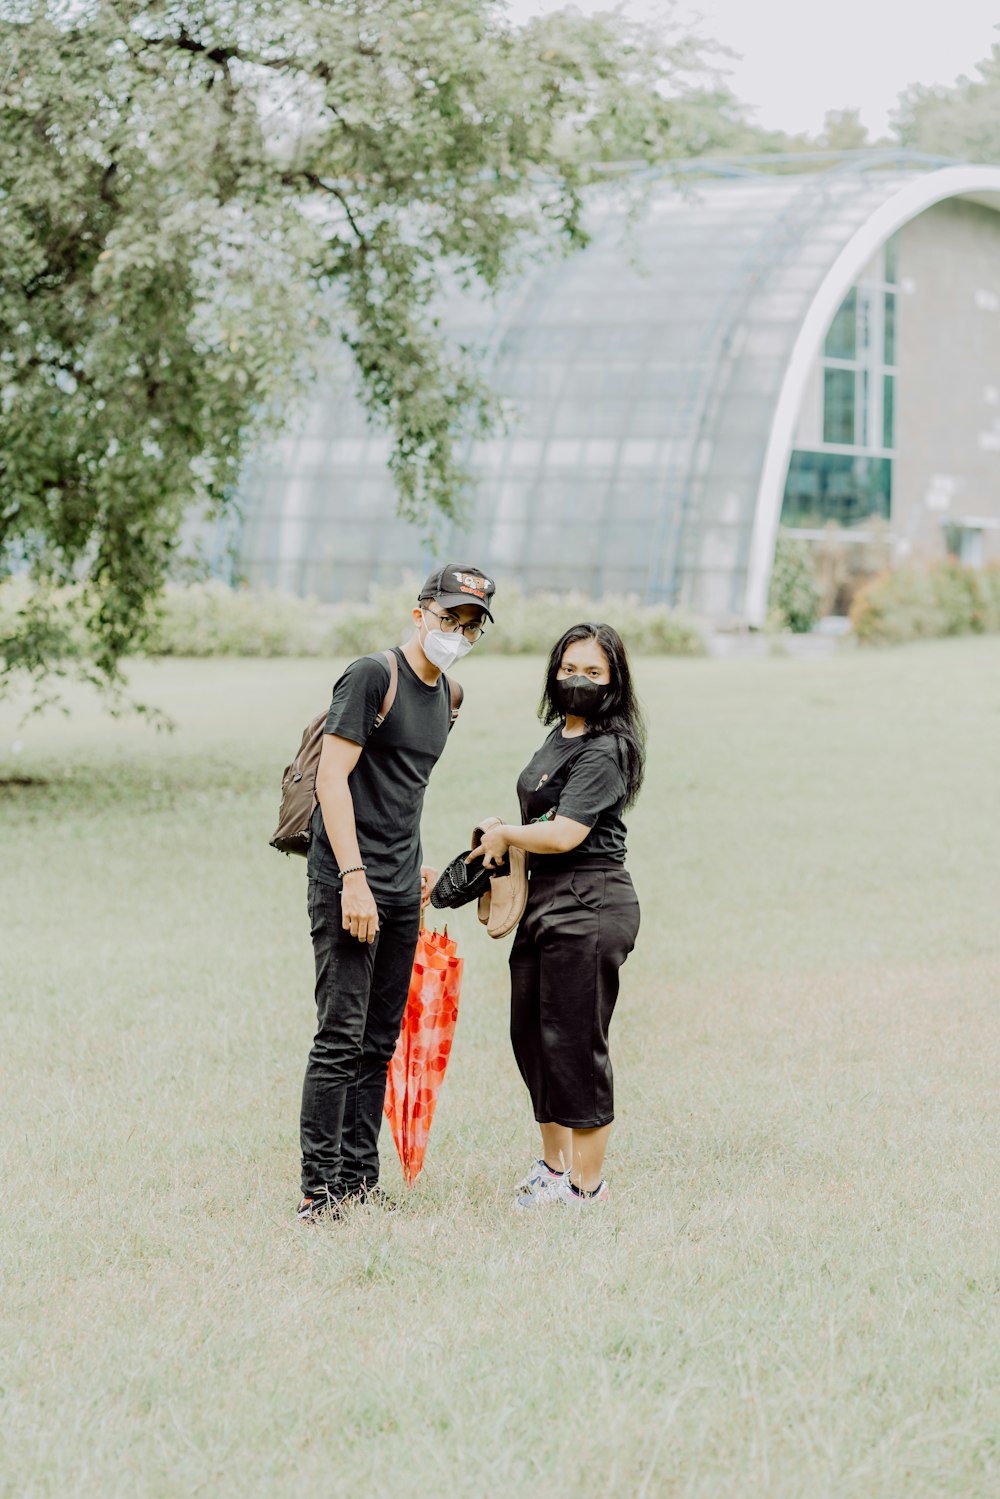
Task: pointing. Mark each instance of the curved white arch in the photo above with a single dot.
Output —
(981, 184)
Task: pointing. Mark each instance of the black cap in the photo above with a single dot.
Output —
(456, 583)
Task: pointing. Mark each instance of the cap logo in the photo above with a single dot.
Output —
(470, 583)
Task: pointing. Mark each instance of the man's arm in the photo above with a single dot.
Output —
(338, 758)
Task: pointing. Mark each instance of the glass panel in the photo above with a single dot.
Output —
(525, 452)
(345, 451)
(888, 411)
(862, 410)
(841, 341)
(572, 420)
(864, 319)
(838, 406)
(892, 260)
(824, 487)
(507, 542)
(311, 454)
(638, 452)
(890, 327)
(561, 454)
(601, 454)
(514, 496)
(636, 503)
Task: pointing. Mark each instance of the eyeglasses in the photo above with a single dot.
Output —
(450, 624)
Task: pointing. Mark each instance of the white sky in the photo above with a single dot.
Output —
(799, 58)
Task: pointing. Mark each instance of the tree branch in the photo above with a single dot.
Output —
(223, 56)
(316, 182)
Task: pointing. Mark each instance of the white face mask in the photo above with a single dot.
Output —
(443, 650)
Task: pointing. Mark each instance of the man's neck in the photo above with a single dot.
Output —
(425, 670)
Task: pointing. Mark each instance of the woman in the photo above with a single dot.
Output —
(582, 916)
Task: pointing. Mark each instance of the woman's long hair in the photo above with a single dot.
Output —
(620, 715)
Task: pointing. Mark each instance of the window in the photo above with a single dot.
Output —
(892, 260)
(866, 319)
(858, 361)
(890, 327)
(888, 411)
(838, 406)
(842, 339)
(840, 487)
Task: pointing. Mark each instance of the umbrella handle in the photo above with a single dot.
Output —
(423, 924)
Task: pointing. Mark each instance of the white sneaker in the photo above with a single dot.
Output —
(572, 1199)
(538, 1176)
(558, 1191)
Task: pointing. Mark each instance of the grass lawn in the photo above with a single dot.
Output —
(795, 1289)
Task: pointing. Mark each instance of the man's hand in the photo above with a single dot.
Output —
(358, 908)
(428, 879)
(493, 848)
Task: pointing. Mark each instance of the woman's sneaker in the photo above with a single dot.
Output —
(558, 1191)
(569, 1198)
(539, 1176)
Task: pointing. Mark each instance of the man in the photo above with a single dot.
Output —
(366, 883)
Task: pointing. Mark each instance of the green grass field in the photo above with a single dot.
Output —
(795, 1289)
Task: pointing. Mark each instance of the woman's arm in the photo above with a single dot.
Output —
(555, 837)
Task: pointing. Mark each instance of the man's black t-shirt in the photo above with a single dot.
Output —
(389, 780)
(579, 778)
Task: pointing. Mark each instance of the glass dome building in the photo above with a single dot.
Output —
(757, 348)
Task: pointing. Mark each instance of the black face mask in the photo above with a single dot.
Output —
(580, 696)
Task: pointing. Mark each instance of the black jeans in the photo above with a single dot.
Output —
(578, 928)
(361, 991)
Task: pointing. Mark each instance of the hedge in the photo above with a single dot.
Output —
(927, 603)
(212, 619)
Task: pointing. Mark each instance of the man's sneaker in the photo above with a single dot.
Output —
(538, 1176)
(371, 1197)
(558, 1192)
(323, 1205)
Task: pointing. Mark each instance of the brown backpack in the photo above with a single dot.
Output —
(298, 783)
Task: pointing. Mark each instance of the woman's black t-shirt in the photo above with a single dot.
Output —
(580, 778)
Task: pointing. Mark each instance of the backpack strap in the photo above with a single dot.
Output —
(457, 698)
(455, 688)
(390, 691)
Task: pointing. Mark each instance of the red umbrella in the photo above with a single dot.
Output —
(421, 1056)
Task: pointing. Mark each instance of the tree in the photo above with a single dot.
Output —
(794, 596)
(962, 121)
(714, 122)
(843, 130)
(195, 197)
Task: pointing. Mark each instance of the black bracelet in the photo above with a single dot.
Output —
(354, 869)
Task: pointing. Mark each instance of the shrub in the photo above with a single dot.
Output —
(39, 624)
(927, 603)
(989, 587)
(212, 619)
(795, 594)
(530, 624)
(959, 598)
(847, 559)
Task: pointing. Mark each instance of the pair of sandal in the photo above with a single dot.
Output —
(502, 891)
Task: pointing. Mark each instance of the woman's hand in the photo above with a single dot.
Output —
(493, 849)
(428, 879)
